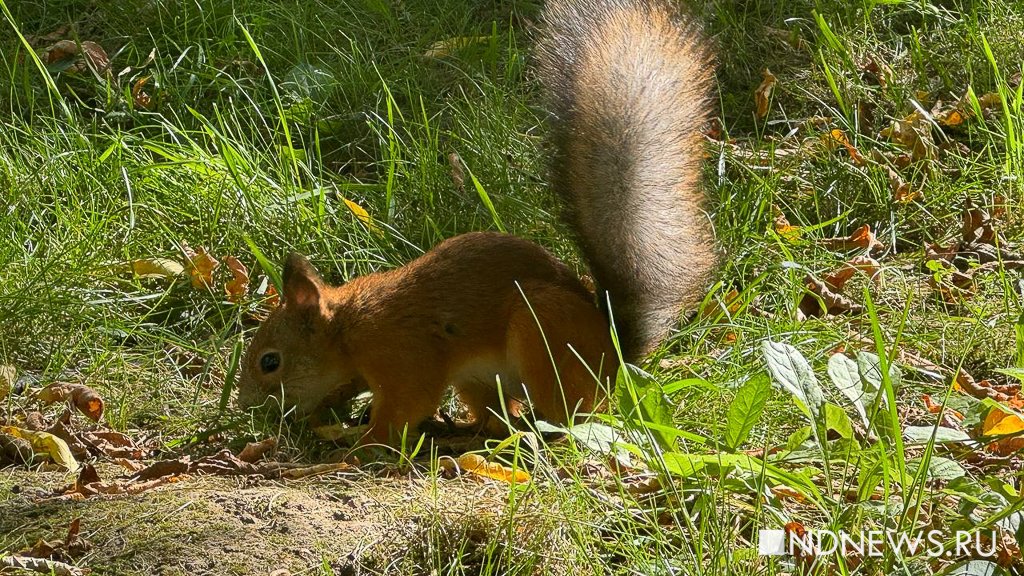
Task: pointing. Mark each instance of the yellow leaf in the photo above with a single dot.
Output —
(1000, 423)
(156, 268)
(476, 464)
(46, 443)
(362, 215)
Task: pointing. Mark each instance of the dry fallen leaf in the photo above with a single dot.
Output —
(140, 97)
(913, 132)
(45, 443)
(782, 226)
(838, 278)
(156, 268)
(934, 408)
(200, 266)
(238, 287)
(787, 493)
(8, 376)
(253, 451)
(862, 238)
(730, 303)
(978, 226)
(478, 465)
(763, 93)
(834, 303)
(837, 138)
(448, 46)
(80, 57)
(84, 398)
(458, 174)
(902, 192)
(1000, 423)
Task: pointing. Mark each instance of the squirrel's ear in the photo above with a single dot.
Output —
(302, 284)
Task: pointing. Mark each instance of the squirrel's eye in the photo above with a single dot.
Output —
(270, 362)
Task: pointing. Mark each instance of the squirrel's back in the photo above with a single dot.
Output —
(628, 85)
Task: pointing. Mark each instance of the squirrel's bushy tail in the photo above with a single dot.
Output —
(628, 84)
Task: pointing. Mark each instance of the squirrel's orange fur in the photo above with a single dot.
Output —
(627, 81)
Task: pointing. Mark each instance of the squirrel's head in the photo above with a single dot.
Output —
(296, 358)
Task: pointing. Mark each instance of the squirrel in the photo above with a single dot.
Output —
(628, 85)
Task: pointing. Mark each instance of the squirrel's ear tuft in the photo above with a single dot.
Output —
(302, 284)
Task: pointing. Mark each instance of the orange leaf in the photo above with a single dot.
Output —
(238, 286)
(861, 238)
(838, 138)
(139, 96)
(476, 464)
(763, 93)
(731, 301)
(200, 266)
(934, 408)
(837, 279)
(1000, 423)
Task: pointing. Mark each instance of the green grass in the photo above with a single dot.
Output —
(266, 116)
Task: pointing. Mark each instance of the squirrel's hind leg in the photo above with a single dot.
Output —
(560, 346)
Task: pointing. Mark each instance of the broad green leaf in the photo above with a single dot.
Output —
(939, 468)
(687, 383)
(798, 437)
(869, 367)
(845, 374)
(683, 465)
(923, 434)
(746, 410)
(791, 371)
(642, 402)
(837, 420)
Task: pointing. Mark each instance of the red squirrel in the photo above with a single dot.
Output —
(628, 86)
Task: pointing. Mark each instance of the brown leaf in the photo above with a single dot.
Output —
(763, 93)
(113, 444)
(14, 451)
(88, 55)
(238, 287)
(913, 132)
(837, 279)
(84, 398)
(254, 451)
(902, 192)
(978, 226)
(834, 303)
(782, 226)
(934, 408)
